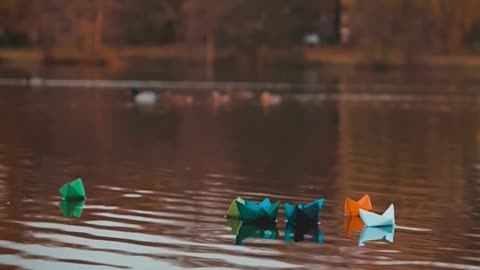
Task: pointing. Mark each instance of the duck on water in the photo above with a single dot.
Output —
(144, 97)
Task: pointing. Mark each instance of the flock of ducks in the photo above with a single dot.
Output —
(216, 98)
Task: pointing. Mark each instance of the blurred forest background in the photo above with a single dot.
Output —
(384, 32)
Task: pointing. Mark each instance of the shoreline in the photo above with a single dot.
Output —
(325, 56)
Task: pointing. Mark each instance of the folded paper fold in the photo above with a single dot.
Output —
(376, 233)
(352, 207)
(248, 211)
(304, 213)
(73, 190)
(374, 220)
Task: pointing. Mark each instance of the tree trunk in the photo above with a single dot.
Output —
(97, 40)
(210, 57)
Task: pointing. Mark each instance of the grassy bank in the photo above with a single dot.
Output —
(321, 55)
(350, 57)
(28, 55)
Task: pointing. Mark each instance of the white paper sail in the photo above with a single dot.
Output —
(374, 220)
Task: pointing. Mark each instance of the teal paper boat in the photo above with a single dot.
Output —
(297, 233)
(72, 209)
(73, 190)
(248, 231)
(374, 220)
(307, 213)
(376, 233)
(249, 212)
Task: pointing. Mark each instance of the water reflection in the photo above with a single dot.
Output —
(298, 232)
(3, 175)
(190, 161)
(244, 231)
(248, 231)
(370, 234)
(352, 225)
(72, 209)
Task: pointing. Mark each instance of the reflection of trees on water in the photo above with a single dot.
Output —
(285, 144)
(4, 192)
(418, 156)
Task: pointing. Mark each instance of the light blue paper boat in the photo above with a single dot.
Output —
(309, 212)
(373, 220)
(376, 233)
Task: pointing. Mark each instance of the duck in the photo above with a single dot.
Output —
(176, 100)
(144, 97)
(219, 98)
(243, 95)
(35, 81)
(267, 99)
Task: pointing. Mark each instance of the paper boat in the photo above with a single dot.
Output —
(373, 220)
(304, 214)
(232, 211)
(352, 207)
(249, 212)
(234, 224)
(72, 208)
(73, 190)
(376, 233)
(248, 231)
(297, 234)
(353, 224)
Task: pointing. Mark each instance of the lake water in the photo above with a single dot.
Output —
(159, 180)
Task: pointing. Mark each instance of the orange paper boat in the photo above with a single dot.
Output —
(352, 207)
(352, 225)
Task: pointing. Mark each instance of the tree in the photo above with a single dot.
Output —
(407, 28)
(15, 23)
(143, 22)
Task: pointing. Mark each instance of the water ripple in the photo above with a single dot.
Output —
(159, 184)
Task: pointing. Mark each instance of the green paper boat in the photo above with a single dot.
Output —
(248, 212)
(234, 224)
(232, 211)
(73, 190)
(72, 209)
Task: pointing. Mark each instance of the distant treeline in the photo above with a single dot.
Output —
(380, 28)
(147, 22)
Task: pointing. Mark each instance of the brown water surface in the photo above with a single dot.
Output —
(159, 180)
